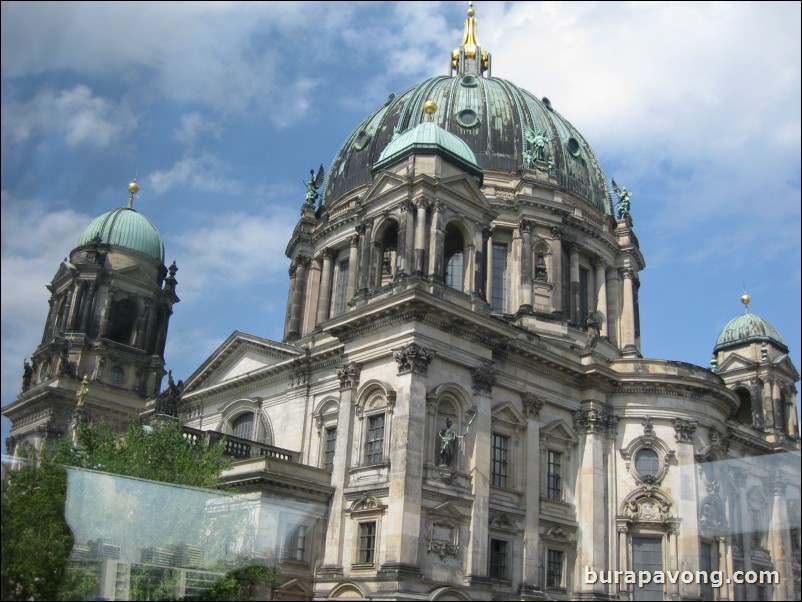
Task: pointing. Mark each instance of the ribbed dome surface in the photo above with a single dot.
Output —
(493, 117)
(126, 228)
(748, 328)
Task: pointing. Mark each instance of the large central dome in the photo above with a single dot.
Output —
(508, 129)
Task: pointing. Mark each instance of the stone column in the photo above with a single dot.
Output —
(73, 309)
(421, 204)
(779, 540)
(403, 526)
(623, 560)
(105, 313)
(596, 424)
(601, 295)
(779, 407)
(484, 379)
(324, 298)
(142, 325)
(525, 227)
(50, 324)
(628, 313)
(301, 264)
(557, 274)
(401, 266)
(767, 402)
(531, 579)
(613, 305)
(348, 373)
(437, 243)
(363, 269)
(687, 498)
(573, 288)
(480, 279)
(86, 307)
(353, 268)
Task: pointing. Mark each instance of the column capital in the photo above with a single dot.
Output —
(483, 378)
(525, 226)
(413, 358)
(348, 373)
(596, 421)
(532, 405)
(329, 253)
(684, 430)
(421, 202)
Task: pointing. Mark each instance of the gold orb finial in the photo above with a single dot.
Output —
(471, 12)
(133, 188)
(429, 107)
(745, 299)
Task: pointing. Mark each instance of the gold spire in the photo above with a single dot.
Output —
(470, 45)
(745, 299)
(83, 390)
(430, 107)
(133, 188)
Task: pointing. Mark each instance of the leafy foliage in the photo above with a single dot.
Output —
(252, 582)
(36, 540)
(160, 454)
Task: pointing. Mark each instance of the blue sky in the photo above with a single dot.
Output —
(221, 109)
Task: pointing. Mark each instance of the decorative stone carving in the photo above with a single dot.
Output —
(365, 503)
(648, 504)
(525, 226)
(712, 515)
(442, 537)
(298, 377)
(348, 373)
(648, 427)
(483, 378)
(421, 203)
(684, 430)
(541, 273)
(777, 483)
(532, 405)
(557, 233)
(596, 422)
(413, 358)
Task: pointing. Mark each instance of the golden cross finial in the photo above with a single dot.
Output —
(83, 390)
(133, 188)
(471, 47)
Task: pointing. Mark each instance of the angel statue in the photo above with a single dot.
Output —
(623, 200)
(315, 181)
(449, 440)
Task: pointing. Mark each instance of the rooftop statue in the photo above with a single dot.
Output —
(623, 203)
(315, 182)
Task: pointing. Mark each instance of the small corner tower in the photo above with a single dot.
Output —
(110, 307)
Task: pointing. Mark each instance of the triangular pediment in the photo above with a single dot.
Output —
(736, 362)
(785, 364)
(446, 510)
(506, 412)
(65, 271)
(240, 354)
(383, 183)
(559, 430)
(297, 587)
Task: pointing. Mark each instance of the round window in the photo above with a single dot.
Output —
(362, 140)
(647, 464)
(468, 118)
(116, 375)
(573, 146)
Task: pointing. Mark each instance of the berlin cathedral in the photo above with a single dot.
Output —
(459, 403)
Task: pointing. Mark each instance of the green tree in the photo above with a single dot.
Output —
(36, 540)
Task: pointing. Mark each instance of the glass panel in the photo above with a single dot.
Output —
(498, 559)
(367, 542)
(374, 444)
(647, 464)
(454, 271)
(647, 555)
(554, 569)
(554, 485)
(499, 460)
(328, 450)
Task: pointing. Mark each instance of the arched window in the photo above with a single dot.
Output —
(388, 251)
(453, 248)
(744, 414)
(242, 426)
(123, 317)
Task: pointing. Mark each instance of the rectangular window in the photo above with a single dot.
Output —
(374, 443)
(340, 288)
(647, 555)
(554, 485)
(295, 546)
(367, 543)
(329, 443)
(498, 290)
(498, 468)
(554, 568)
(498, 559)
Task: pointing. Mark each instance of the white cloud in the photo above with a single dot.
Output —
(31, 239)
(82, 118)
(195, 125)
(204, 172)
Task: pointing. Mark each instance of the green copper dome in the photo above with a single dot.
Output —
(428, 138)
(126, 228)
(506, 128)
(748, 328)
